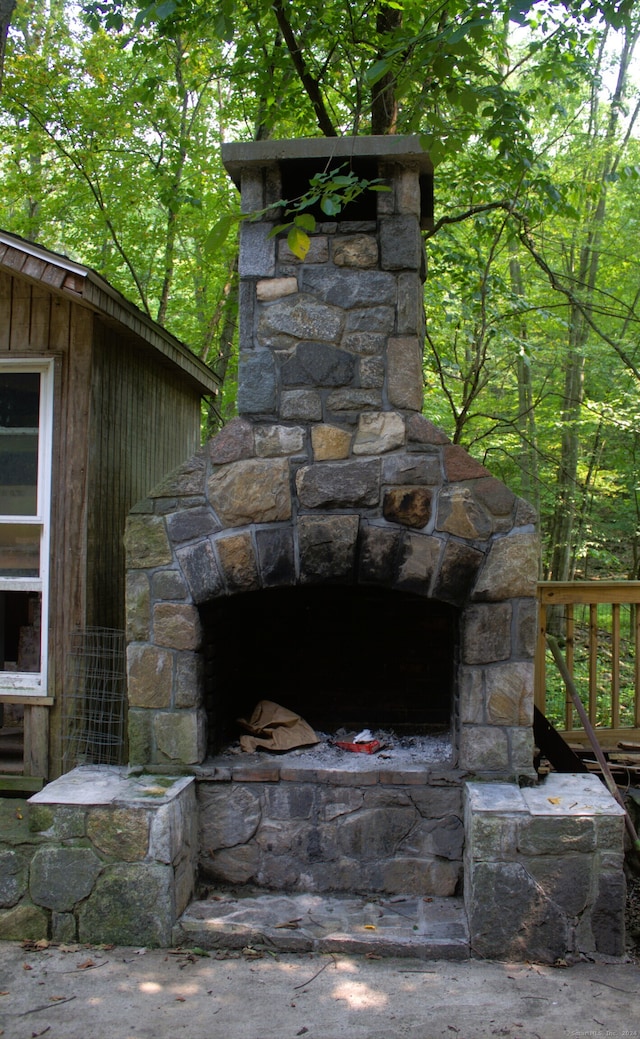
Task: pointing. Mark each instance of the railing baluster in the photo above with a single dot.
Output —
(637, 668)
(593, 663)
(568, 706)
(615, 665)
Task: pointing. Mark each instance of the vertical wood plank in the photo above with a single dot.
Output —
(20, 316)
(36, 742)
(5, 311)
(40, 318)
(540, 665)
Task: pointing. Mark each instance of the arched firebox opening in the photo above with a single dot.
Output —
(341, 656)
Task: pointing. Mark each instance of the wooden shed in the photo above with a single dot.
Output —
(97, 404)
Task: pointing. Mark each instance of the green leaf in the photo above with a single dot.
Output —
(305, 221)
(299, 242)
(220, 232)
(330, 205)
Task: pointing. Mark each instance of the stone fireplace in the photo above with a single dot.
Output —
(332, 551)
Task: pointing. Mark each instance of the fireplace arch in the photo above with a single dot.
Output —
(194, 553)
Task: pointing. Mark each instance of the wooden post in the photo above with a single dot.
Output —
(36, 742)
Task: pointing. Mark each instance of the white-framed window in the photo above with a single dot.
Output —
(26, 422)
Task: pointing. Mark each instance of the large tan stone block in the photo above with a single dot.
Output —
(150, 676)
(511, 569)
(176, 625)
(251, 491)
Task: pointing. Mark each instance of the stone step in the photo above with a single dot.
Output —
(425, 928)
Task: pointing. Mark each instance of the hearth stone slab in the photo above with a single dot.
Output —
(426, 928)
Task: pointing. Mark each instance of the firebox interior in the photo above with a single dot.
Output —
(340, 656)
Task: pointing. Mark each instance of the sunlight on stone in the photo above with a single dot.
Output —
(360, 996)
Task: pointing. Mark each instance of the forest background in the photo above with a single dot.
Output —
(111, 119)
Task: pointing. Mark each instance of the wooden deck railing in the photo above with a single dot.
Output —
(597, 624)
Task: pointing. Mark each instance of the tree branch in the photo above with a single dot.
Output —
(310, 84)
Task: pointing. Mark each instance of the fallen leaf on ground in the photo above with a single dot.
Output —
(85, 964)
(27, 966)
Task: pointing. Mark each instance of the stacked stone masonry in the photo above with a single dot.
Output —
(544, 873)
(99, 856)
(284, 827)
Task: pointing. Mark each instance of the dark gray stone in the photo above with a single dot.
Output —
(257, 250)
(372, 372)
(132, 904)
(228, 816)
(168, 585)
(318, 364)
(458, 572)
(353, 288)
(191, 523)
(486, 635)
(200, 568)
(366, 344)
(342, 483)
(13, 878)
(257, 383)
(378, 555)
(246, 313)
(607, 919)
(62, 877)
(410, 304)
(299, 317)
(375, 833)
(400, 243)
(276, 560)
(411, 469)
(372, 319)
(510, 917)
(525, 628)
(327, 548)
(289, 801)
(189, 678)
(565, 879)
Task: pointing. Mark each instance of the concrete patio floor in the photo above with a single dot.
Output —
(71, 992)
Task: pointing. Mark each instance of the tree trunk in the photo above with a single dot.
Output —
(6, 10)
(384, 107)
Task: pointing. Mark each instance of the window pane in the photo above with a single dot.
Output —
(20, 630)
(19, 420)
(19, 550)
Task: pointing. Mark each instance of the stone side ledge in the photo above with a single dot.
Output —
(103, 856)
(543, 874)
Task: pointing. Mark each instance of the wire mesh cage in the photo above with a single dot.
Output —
(94, 714)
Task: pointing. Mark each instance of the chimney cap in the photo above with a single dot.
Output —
(403, 149)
